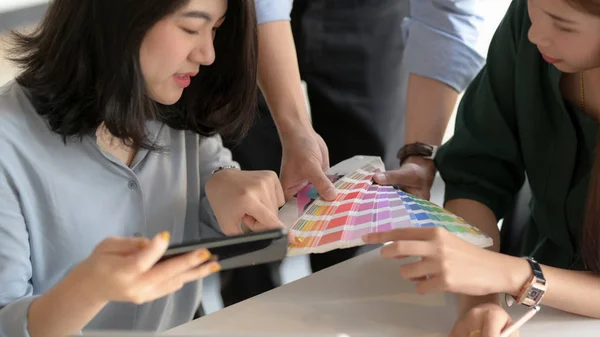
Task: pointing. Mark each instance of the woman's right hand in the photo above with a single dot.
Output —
(126, 269)
(484, 320)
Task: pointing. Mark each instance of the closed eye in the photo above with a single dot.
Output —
(564, 29)
(191, 32)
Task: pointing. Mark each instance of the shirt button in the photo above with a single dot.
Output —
(132, 184)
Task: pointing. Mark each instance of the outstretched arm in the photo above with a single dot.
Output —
(305, 155)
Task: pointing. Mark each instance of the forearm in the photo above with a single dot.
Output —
(64, 310)
(572, 291)
(279, 76)
(483, 218)
(441, 58)
(576, 292)
(478, 215)
(429, 106)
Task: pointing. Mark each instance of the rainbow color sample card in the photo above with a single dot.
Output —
(363, 207)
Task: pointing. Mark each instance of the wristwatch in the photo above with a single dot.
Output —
(426, 151)
(226, 167)
(533, 290)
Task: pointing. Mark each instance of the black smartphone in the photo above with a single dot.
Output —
(240, 250)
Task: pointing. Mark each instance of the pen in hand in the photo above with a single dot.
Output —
(510, 329)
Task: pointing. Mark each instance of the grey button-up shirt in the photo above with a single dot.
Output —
(58, 201)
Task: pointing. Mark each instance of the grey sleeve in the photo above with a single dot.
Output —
(442, 38)
(212, 155)
(15, 266)
(13, 318)
(273, 10)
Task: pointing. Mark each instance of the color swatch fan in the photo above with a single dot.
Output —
(363, 207)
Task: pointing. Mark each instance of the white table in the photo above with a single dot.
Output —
(364, 296)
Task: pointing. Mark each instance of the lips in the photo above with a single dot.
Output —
(549, 59)
(184, 80)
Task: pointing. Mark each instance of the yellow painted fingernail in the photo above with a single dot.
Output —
(215, 267)
(204, 255)
(298, 239)
(166, 236)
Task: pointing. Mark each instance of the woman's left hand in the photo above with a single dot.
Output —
(484, 320)
(448, 263)
(245, 200)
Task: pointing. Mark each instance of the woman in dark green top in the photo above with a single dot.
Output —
(531, 111)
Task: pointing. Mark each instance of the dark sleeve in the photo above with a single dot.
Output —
(483, 160)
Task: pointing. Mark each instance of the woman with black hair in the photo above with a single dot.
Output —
(532, 112)
(109, 136)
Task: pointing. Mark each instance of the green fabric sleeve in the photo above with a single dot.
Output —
(483, 160)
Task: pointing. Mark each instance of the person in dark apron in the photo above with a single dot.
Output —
(359, 59)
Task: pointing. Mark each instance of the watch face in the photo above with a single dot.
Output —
(534, 294)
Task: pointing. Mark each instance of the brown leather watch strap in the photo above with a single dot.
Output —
(416, 149)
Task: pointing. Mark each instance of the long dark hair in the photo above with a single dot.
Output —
(590, 247)
(81, 67)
